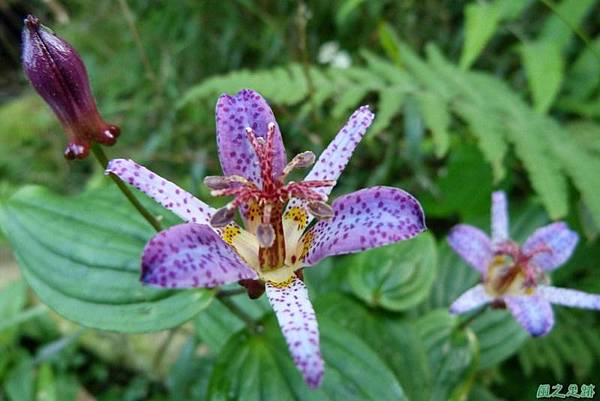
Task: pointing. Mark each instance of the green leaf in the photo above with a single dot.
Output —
(395, 277)
(12, 301)
(565, 20)
(465, 169)
(394, 339)
(544, 67)
(437, 119)
(259, 367)
(453, 354)
(500, 336)
(19, 383)
(81, 256)
(216, 324)
(46, 385)
(481, 21)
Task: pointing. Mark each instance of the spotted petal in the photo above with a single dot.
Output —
(558, 241)
(364, 219)
(473, 245)
(533, 312)
(234, 114)
(335, 157)
(172, 197)
(190, 256)
(298, 323)
(569, 297)
(499, 217)
(471, 299)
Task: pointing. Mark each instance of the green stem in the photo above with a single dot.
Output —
(233, 308)
(103, 160)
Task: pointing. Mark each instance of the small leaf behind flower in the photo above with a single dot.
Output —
(395, 277)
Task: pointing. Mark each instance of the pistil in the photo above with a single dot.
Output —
(270, 197)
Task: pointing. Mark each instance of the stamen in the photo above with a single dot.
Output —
(223, 216)
(265, 235)
(301, 160)
(320, 210)
(218, 182)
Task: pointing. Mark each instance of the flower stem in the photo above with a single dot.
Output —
(103, 160)
(233, 308)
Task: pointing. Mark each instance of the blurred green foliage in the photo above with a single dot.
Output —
(470, 96)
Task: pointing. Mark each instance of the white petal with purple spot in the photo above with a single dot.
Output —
(365, 219)
(473, 245)
(191, 256)
(552, 245)
(335, 157)
(234, 114)
(533, 312)
(298, 323)
(169, 195)
(499, 217)
(470, 299)
(569, 297)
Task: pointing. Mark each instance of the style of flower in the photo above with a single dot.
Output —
(514, 276)
(58, 74)
(277, 240)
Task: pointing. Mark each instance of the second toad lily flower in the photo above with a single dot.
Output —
(516, 276)
(277, 240)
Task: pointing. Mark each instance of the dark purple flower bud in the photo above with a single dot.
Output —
(59, 76)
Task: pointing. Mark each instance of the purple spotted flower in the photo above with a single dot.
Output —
(278, 239)
(516, 276)
(58, 74)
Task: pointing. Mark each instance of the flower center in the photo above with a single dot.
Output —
(511, 271)
(262, 205)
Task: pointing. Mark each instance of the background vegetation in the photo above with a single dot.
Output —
(470, 96)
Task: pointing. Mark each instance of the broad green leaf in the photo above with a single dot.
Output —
(453, 353)
(544, 67)
(395, 277)
(81, 256)
(259, 367)
(481, 21)
(12, 301)
(437, 119)
(453, 278)
(216, 324)
(394, 339)
(500, 336)
(19, 384)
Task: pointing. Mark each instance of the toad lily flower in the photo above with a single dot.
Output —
(277, 240)
(514, 276)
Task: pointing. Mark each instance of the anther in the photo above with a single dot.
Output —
(217, 182)
(223, 216)
(320, 210)
(265, 235)
(302, 160)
